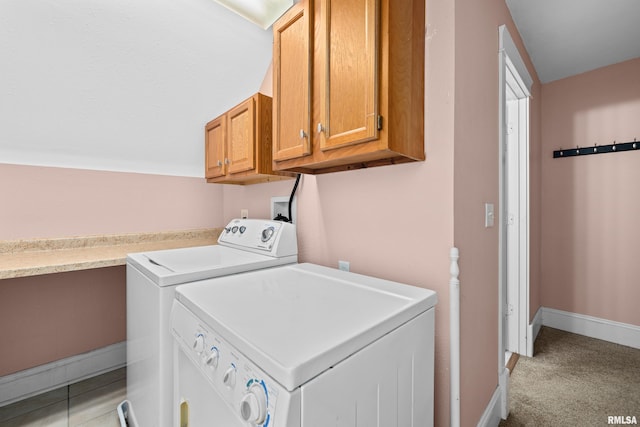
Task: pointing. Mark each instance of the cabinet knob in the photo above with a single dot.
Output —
(219, 163)
(320, 128)
(303, 134)
(226, 161)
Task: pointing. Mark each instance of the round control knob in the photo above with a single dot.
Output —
(227, 229)
(253, 406)
(234, 228)
(229, 378)
(267, 233)
(242, 229)
(213, 358)
(198, 343)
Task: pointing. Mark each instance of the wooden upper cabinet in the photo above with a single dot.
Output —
(241, 137)
(238, 148)
(292, 83)
(366, 93)
(349, 37)
(215, 147)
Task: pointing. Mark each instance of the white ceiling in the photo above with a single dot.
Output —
(568, 37)
(121, 85)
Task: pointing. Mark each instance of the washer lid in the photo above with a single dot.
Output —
(173, 266)
(294, 322)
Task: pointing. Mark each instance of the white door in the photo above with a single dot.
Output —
(513, 118)
(516, 207)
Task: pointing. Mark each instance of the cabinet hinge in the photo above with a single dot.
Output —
(379, 122)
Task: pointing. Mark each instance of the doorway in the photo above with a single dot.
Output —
(513, 283)
(516, 213)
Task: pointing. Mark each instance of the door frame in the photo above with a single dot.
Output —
(520, 226)
(512, 71)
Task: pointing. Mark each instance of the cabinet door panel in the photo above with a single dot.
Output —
(292, 83)
(349, 108)
(241, 134)
(215, 143)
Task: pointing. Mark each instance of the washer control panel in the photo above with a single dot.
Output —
(250, 393)
(260, 235)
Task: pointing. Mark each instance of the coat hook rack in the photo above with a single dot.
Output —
(597, 149)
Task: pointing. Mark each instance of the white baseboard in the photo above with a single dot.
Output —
(534, 329)
(27, 383)
(594, 327)
(491, 415)
(503, 384)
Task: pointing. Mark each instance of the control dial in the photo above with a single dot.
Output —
(253, 406)
(198, 343)
(213, 358)
(229, 378)
(267, 233)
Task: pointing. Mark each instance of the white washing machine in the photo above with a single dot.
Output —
(244, 245)
(303, 346)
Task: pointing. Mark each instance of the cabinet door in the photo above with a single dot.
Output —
(215, 148)
(292, 83)
(349, 37)
(241, 137)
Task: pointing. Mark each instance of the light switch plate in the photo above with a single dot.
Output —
(488, 215)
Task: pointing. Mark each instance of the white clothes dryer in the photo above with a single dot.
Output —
(244, 245)
(303, 346)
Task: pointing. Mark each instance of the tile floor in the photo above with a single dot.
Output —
(88, 403)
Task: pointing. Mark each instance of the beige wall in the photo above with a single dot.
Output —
(476, 183)
(40, 202)
(535, 200)
(60, 315)
(83, 310)
(396, 222)
(590, 203)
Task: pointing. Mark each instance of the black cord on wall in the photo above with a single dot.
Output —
(293, 192)
(283, 218)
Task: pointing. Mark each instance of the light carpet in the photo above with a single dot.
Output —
(574, 380)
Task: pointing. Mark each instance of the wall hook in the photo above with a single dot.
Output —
(598, 149)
